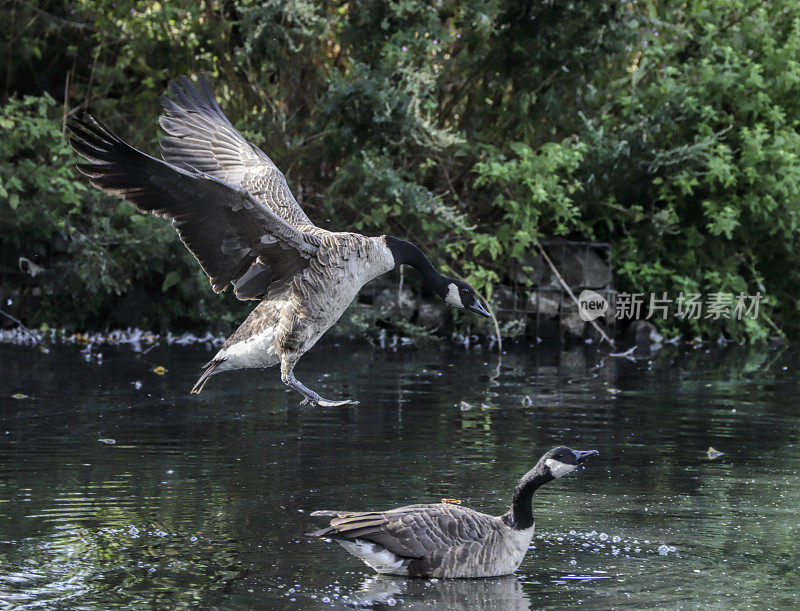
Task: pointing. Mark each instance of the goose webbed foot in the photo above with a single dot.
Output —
(323, 402)
(310, 396)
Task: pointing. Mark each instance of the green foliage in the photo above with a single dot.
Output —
(378, 194)
(535, 191)
(474, 128)
(699, 140)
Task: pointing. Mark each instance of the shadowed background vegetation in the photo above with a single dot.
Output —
(474, 128)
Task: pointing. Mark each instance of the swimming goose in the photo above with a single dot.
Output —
(234, 211)
(446, 540)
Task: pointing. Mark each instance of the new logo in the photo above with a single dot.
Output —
(591, 305)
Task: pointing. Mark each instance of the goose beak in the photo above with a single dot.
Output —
(582, 455)
(478, 309)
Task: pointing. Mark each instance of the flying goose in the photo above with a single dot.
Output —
(446, 540)
(234, 211)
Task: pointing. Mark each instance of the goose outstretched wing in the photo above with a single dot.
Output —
(414, 531)
(235, 237)
(201, 137)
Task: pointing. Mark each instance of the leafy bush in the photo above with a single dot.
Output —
(694, 159)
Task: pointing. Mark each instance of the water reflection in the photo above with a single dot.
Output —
(202, 501)
(501, 594)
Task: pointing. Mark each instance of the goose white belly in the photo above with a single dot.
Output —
(376, 556)
(257, 351)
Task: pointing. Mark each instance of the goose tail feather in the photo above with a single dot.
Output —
(209, 371)
(328, 531)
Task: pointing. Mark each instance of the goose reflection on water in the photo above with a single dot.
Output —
(496, 593)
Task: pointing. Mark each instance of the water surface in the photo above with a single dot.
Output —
(119, 488)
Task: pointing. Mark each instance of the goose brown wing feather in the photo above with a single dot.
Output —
(202, 137)
(225, 228)
(414, 531)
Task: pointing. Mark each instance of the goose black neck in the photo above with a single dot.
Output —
(521, 514)
(406, 253)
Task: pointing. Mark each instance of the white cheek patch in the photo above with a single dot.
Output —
(453, 297)
(558, 468)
